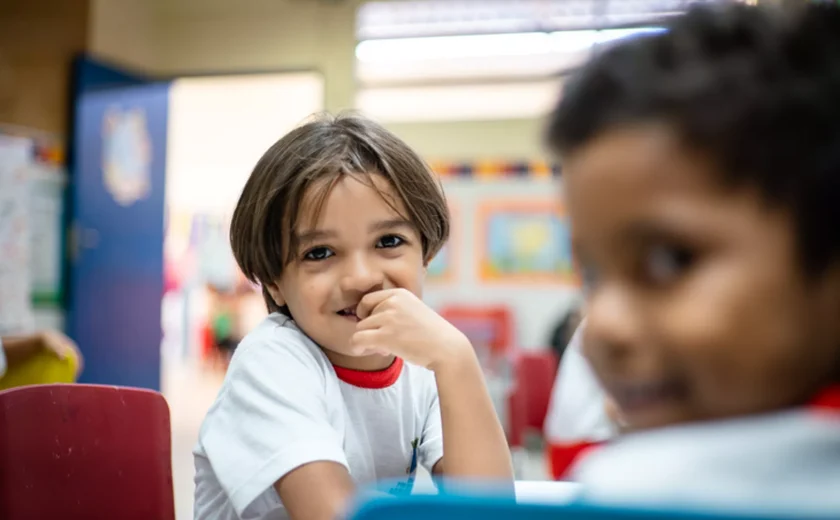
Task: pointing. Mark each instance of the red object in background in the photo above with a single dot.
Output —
(490, 326)
(85, 451)
(207, 341)
(534, 374)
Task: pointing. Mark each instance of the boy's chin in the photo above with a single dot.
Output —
(368, 362)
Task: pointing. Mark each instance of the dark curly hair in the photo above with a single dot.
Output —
(756, 89)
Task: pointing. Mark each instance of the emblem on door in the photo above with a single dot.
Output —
(126, 155)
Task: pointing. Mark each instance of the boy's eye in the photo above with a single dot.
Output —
(664, 264)
(389, 241)
(318, 253)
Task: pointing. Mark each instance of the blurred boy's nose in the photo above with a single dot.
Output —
(612, 325)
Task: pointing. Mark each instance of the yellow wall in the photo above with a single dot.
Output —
(176, 37)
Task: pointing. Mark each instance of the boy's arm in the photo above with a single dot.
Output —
(474, 442)
(395, 321)
(316, 491)
(18, 349)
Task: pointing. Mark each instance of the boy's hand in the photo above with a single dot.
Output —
(395, 321)
(20, 348)
(62, 346)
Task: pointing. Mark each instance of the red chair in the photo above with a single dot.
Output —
(85, 451)
(534, 374)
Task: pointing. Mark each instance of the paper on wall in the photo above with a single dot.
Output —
(15, 300)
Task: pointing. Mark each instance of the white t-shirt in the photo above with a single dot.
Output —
(784, 463)
(283, 405)
(576, 411)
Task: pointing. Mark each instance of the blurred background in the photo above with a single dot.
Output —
(128, 128)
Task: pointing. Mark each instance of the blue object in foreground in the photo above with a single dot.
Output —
(449, 507)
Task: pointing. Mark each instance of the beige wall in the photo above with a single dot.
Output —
(38, 39)
(124, 32)
(176, 37)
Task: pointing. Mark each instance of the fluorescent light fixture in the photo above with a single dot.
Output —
(459, 102)
(488, 45)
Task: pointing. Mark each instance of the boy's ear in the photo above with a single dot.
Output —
(276, 294)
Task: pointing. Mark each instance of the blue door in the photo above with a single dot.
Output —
(115, 279)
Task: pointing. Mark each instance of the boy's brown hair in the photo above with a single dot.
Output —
(321, 152)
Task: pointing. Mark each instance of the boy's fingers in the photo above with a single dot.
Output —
(371, 300)
(372, 322)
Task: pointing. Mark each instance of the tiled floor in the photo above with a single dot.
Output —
(191, 391)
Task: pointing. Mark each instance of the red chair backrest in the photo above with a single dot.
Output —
(534, 374)
(85, 451)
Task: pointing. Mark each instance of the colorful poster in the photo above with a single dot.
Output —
(523, 242)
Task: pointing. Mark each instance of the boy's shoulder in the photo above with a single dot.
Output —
(278, 340)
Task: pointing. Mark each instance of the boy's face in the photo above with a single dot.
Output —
(696, 305)
(357, 244)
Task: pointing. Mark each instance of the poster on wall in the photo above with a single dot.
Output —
(443, 266)
(15, 275)
(46, 190)
(524, 242)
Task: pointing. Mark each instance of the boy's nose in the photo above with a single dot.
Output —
(362, 276)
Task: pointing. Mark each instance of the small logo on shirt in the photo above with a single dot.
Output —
(404, 488)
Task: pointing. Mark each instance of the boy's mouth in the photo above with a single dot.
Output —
(349, 313)
(638, 397)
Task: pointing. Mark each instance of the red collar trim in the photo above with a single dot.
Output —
(828, 400)
(375, 380)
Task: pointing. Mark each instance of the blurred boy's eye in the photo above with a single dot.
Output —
(318, 253)
(389, 241)
(663, 264)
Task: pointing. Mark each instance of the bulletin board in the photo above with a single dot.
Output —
(524, 241)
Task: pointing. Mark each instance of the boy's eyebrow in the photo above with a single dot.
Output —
(651, 231)
(385, 225)
(315, 235)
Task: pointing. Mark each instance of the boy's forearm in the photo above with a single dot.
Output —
(19, 348)
(474, 442)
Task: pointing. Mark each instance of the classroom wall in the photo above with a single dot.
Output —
(38, 39)
(195, 37)
(177, 37)
(124, 32)
(536, 305)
